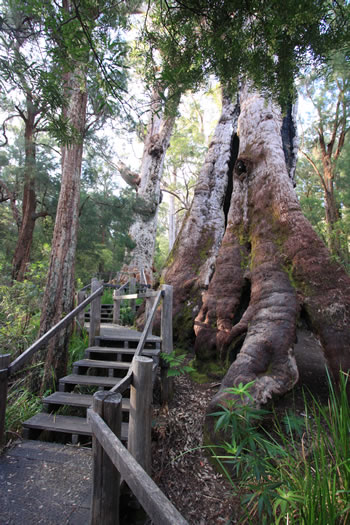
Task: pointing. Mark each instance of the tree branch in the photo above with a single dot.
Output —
(11, 196)
(184, 204)
(4, 129)
(317, 171)
(39, 214)
(330, 144)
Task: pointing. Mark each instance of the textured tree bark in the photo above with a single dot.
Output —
(59, 292)
(172, 216)
(271, 267)
(25, 236)
(191, 263)
(332, 211)
(262, 269)
(143, 230)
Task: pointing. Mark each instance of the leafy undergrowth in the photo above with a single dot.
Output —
(21, 403)
(298, 472)
(291, 469)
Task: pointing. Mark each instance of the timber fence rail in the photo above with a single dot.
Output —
(112, 461)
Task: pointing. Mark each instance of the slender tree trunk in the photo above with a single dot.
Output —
(144, 229)
(191, 263)
(172, 216)
(332, 213)
(25, 236)
(59, 293)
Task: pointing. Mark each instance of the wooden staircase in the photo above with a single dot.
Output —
(106, 314)
(104, 365)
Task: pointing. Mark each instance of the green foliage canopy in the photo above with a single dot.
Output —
(268, 41)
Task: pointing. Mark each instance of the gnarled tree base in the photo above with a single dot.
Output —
(271, 267)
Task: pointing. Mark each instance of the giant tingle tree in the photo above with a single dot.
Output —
(269, 267)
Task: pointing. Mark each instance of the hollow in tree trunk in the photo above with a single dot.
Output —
(191, 262)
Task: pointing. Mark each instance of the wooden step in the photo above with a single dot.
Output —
(103, 307)
(76, 379)
(122, 341)
(128, 337)
(77, 400)
(94, 363)
(148, 352)
(65, 424)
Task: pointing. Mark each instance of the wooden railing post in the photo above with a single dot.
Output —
(149, 305)
(80, 320)
(4, 363)
(132, 289)
(116, 306)
(106, 478)
(139, 437)
(166, 333)
(143, 279)
(95, 313)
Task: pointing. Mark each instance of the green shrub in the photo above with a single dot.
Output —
(176, 364)
(20, 308)
(107, 296)
(21, 405)
(76, 348)
(299, 473)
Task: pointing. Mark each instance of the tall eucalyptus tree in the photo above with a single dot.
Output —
(81, 43)
(30, 80)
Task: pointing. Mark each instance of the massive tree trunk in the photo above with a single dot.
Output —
(191, 263)
(59, 292)
(25, 236)
(271, 268)
(144, 229)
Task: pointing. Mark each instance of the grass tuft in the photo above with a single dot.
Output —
(298, 472)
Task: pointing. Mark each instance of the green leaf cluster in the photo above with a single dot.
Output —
(267, 42)
(298, 473)
(176, 364)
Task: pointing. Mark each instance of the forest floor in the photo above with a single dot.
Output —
(183, 469)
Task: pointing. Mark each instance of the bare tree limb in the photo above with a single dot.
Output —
(4, 129)
(11, 196)
(184, 203)
(317, 171)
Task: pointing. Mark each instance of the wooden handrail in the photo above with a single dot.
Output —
(126, 381)
(156, 504)
(141, 295)
(23, 358)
